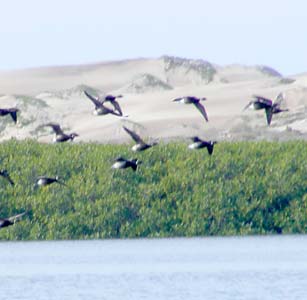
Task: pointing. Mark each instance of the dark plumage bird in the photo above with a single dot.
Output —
(196, 102)
(268, 105)
(140, 144)
(10, 111)
(44, 180)
(122, 163)
(112, 100)
(60, 136)
(6, 175)
(11, 220)
(199, 144)
(101, 109)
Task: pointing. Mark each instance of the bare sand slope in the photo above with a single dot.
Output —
(149, 85)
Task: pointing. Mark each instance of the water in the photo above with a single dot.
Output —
(197, 268)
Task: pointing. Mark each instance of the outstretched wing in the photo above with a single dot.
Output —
(248, 105)
(117, 107)
(263, 100)
(14, 115)
(202, 110)
(55, 127)
(16, 217)
(269, 114)
(210, 149)
(134, 136)
(95, 100)
(279, 99)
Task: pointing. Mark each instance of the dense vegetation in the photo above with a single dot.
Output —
(243, 188)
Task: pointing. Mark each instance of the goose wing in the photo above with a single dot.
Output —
(117, 107)
(279, 99)
(111, 111)
(134, 136)
(95, 100)
(13, 113)
(263, 100)
(269, 114)
(248, 105)
(16, 217)
(55, 127)
(202, 110)
(210, 148)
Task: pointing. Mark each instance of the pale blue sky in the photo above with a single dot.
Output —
(57, 32)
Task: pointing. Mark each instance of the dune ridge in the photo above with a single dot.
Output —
(55, 94)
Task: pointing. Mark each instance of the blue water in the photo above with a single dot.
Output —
(196, 268)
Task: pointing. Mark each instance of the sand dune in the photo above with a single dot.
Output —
(149, 85)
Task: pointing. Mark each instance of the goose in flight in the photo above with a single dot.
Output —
(140, 144)
(196, 102)
(60, 136)
(122, 163)
(101, 109)
(199, 144)
(271, 107)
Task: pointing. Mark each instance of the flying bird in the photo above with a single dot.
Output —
(44, 181)
(268, 105)
(199, 144)
(101, 109)
(5, 222)
(6, 175)
(122, 163)
(140, 144)
(196, 102)
(10, 111)
(60, 136)
(112, 100)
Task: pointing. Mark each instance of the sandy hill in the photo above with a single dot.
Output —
(149, 85)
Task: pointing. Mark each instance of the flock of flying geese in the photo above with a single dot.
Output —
(258, 103)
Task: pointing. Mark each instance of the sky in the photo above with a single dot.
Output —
(36, 33)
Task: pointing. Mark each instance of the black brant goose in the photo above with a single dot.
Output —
(44, 180)
(198, 144)
(122, 163)
(268, 105)
(196, 102)
(140, 144)
(100, 109)
(60, 136)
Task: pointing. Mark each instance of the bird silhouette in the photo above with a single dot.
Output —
(271, 107)
(122, 163)
(199, 144)
(60, 136)
(101, 109)
(196, 102)
(140, 144)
